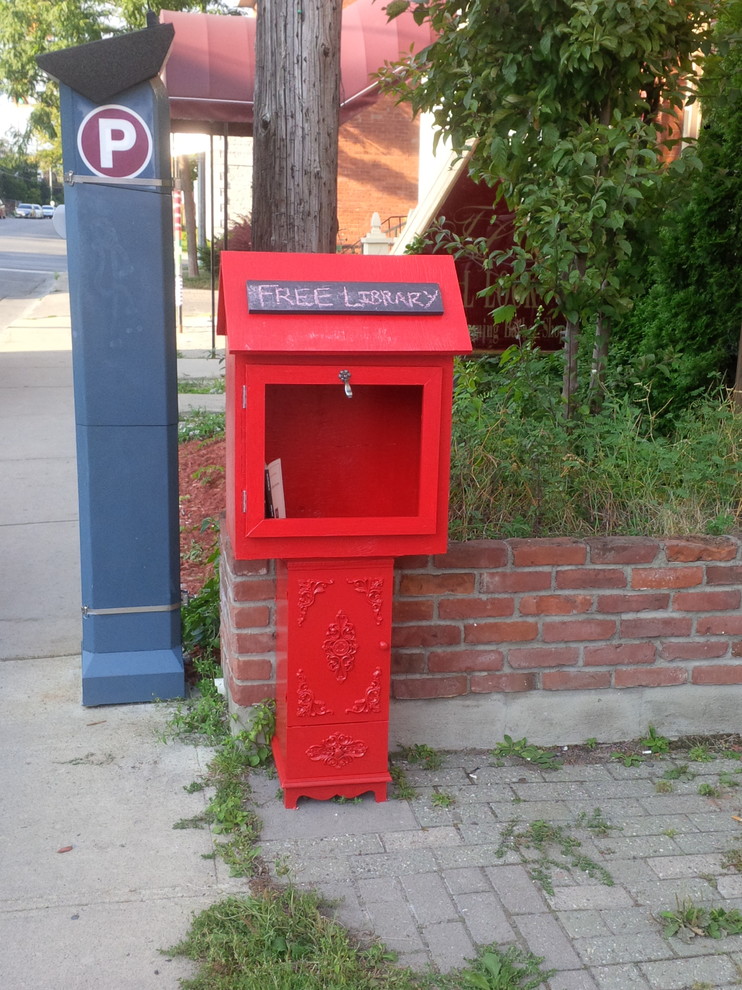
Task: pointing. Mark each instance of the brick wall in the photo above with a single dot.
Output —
(378, 153)
(528, 616)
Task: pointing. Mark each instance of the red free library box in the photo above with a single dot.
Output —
(339, 380)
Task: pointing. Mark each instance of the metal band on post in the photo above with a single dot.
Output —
(72, 179)
(86, 610)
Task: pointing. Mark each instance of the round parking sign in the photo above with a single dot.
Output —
(114, 141)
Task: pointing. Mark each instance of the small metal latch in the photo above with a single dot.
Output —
(344, 377)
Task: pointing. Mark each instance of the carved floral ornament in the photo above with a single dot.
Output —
(338, 750)
(370, 703)
(372, 588)
(306, 704)
(340, 646)
(308, 591)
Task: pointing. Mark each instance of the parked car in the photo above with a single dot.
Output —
(47, 211)
(29, 211)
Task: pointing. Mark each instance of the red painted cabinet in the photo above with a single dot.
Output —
(339, 381)
(333, 657)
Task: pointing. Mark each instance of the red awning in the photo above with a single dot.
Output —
(210, 74)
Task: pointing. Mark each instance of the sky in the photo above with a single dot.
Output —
(11, 116)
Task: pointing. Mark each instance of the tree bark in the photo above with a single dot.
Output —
(185, 166)
(599, 361)
(570, 379)
(295, 134)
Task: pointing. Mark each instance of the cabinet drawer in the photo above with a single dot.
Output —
(336, 751)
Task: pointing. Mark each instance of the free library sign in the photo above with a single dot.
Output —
(394, 298)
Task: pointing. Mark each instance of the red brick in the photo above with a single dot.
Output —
(254, 642)
(426, 635)
(666, 577)
(408, 663)
(666, 625)
(724, 575)
(254, 590)
(242, 568)
(500, 632)
(706, 601)
(458, 583)
(628, 677)
(633, 603)
(554, 604)
(548, 553)
(719, 625)
(416, 563)
(249, 616)
(475, 608)
(737, 648)
(591, 577)
(615, 654)
(243, 669)
(543, 656)
(513, 582)
(571, 630)
(575, 680)
(717, 674)
(502, 683)
(696, 649)
(444, 661)
(481, 554)
(429, 687)
(245, 695)
(412, 610)
(623, 550)
(702, 548)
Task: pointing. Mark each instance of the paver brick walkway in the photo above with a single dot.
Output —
(434, 883)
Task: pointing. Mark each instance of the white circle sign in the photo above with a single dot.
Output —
(114, 141)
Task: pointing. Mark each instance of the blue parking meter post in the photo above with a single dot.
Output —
(116, 148)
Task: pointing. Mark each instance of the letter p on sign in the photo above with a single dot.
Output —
(114, 141)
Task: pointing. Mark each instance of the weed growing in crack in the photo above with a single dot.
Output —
(554, 848)
(521, 748)
(690, 920)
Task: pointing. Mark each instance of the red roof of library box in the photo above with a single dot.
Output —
(274, 303)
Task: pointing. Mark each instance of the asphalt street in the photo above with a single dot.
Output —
(32, 257)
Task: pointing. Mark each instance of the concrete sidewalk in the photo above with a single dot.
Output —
(98, 783)
(96, 881)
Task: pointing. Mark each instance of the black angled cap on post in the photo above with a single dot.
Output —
(101, 69)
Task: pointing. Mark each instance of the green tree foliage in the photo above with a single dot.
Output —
(560, 101)
(30, 27)
(18, 176)
(683, 333)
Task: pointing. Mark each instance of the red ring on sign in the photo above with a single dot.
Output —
(114, 141)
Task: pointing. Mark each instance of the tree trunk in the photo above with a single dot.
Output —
(600, 358)
(570, 379)
(295, 134)
(185, 168)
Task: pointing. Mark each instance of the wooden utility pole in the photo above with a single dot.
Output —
(296, 120)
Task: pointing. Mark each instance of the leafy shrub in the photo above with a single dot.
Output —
(519, 468)
(200, 424)
(239, 239)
